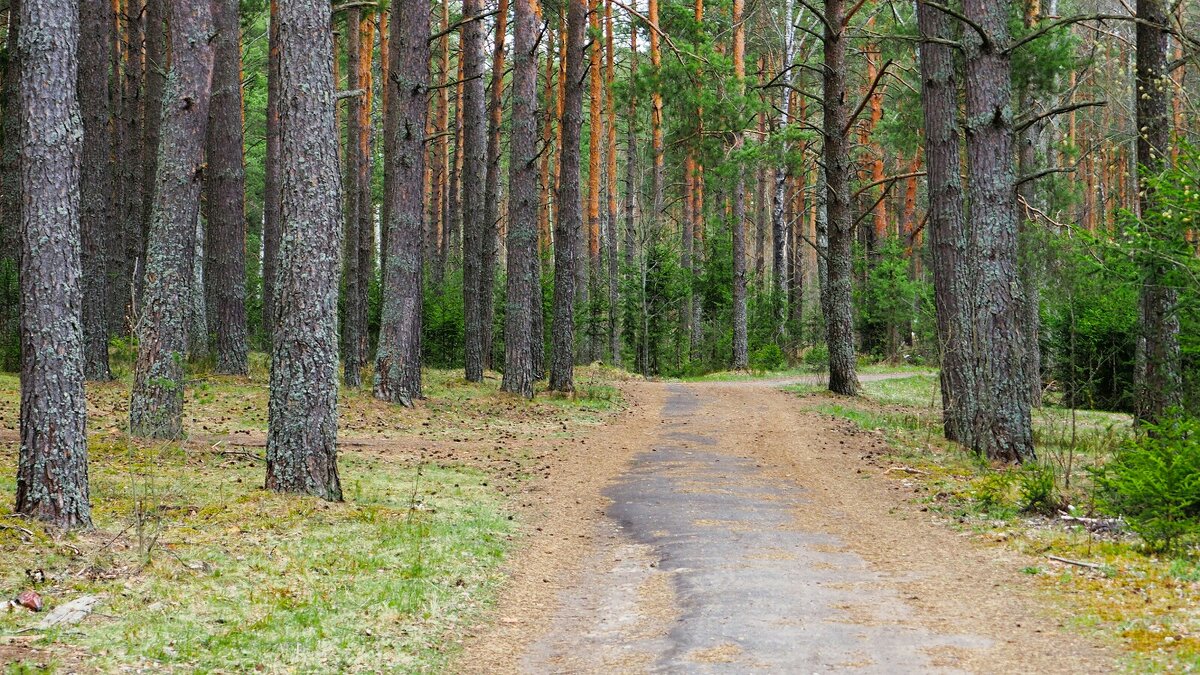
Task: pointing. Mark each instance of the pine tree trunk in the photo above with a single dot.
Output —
(610, 231)
(398, 361)
(52, 470)
(156, 86)
(491, 196)
(271, 206)
(474, 160)
(778, 199)
(302, 433)
(353, 171)
(741, 356)
(656, 123)
(127, 243)
(568, 227)
(156, 404)
(225, 194)
(631, 153)
(947, 224)
(1159, 373)
(96, 41)
(366, 202)
(523, 206)
(839, 319)
(10, 199)
(1002, 419)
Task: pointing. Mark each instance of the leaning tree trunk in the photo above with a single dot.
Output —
(225, 192)
(156, 404)
(1002, 419)
(302, 433)
(839, 318)
(96, 181)
(271, 224)
(398, 359)
(568, 227)
(522, 206)
(474, 160)
(947, 224)
(1159, 383)
(52, 470)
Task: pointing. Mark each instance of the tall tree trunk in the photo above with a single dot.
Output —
(52, 471)
(127, 243)
(474, 161)
(839, 318)
(156, 404)
(588, 275)
(366, 202)
(352, 328)
(225, 195)
(398, 361)
(10, 198)
(271, 206)
(656, 124)
(156, 86)
(522, 206)
(610, 231)
(549, 117)
(96, 42)
(1030, 258)
(491, 196)
(1159, 373)
(568, 227)
(947, 224)
(741, 355)
(631, 151)
(302, 432)
(778, 202)
(437, 246)
(1002, 419)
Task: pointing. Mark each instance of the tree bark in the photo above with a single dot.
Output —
(568, 227)
(947, 224)
(352, 328)
(610, 231)
(522, 206)
(491, 194)
(631, 152)
(741, 356)
(156, 86)
(302, 432)
(778, 198)
(10, 198)
(398, 361)
(52, 471)
(1159, 373)
(366, 201)
(656, 122)
(839, 318)
(474, 160)
(96, 40)
(126, 242)
(271, 206)
(1002, 419)
(156, 404)
(225, 191)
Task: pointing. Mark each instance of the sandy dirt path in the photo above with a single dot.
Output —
(725, 528)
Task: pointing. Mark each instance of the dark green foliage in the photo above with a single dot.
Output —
(1154, 483)
(893, 299)
(1039, 488)
(443, 330)
(768, 357)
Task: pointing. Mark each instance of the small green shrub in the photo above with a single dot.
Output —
(1039, 489)
(817, 357)
(992, 492)
(1154, 483)
(768, 357)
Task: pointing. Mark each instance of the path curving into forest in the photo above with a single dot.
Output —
(722, 527)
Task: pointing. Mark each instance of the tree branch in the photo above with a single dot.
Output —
(1022, 126)
(443, 33)
(987, 40)
(866, 99)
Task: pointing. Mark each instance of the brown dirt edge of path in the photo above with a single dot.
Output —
(952, 581)
(559, 530)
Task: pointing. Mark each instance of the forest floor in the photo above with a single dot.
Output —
(735, 524)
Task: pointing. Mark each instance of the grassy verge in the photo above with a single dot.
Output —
(201, 569)
(1150, 604)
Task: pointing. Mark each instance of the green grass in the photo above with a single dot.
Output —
(202, 569)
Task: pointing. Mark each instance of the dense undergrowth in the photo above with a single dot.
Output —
(1120, 584)
(199, 568)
